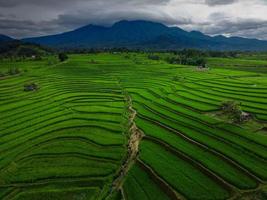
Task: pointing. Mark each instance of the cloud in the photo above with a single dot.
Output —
(53, 3)
(219, 2)
(240, 27)
(25, 28)
(28, 18)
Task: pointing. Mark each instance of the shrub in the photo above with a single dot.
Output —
(234, 112)
(173, 60)
(30, 87)
(92, 61)
(62, 57)
(177, 78)
(185, 60)
(230, 106)
(200, 61)
(38, 57)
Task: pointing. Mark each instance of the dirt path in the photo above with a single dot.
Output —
(135, 136)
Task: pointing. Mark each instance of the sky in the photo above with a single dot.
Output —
(28, 18)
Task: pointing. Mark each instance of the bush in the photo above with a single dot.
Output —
(185, 60)
(173, 60)
(177, 78)
(62, 57)
(230, 106)
(92, 61)
(201, 62)
(234, 112)
(30, 87)
(38, 57)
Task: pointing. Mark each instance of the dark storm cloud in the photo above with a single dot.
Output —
(219, 2)
(250, 28)
(220, 23)
(108, 18)
(24, 28)
(55, 3)
(26, 18)
(51, 16)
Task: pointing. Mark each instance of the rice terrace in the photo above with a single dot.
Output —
(133, 100)
(73, 137)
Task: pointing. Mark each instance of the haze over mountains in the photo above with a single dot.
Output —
(145, 35)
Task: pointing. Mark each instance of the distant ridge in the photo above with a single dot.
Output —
(145, 35)
(4, 38)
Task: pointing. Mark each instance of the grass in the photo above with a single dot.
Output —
(138, 185)
(207, 158)
(191, 182)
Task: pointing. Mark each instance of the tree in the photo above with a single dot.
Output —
(201, 62)
(233, 110)
(62, 57)
(187, 60)
(30, 87)
(173, 60)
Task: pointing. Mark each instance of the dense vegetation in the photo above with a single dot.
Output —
(62, 57)
(65, 127)
(20, 50)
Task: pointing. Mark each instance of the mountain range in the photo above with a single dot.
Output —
(4, 38)
(145, 35)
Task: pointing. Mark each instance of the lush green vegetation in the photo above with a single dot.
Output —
(65, 126)
(18, 50)
(62, 57)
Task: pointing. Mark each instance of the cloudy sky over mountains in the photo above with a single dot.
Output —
(26, 18)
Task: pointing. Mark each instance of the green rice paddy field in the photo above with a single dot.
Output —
(69, 139)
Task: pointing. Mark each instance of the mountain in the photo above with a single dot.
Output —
(145, 35)
(4, 38)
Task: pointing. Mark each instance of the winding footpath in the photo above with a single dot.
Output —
(135, 136)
